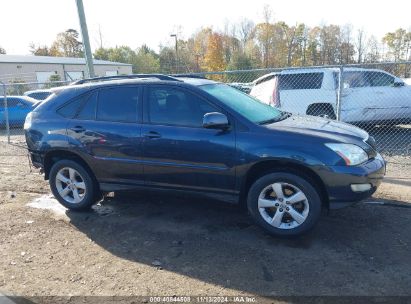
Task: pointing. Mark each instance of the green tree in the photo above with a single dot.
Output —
(17, 86)
(399, 44)
(2, 51)
(146, 61)
(53, 81)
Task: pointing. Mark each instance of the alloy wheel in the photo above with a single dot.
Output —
(70, 185)
(283, 205)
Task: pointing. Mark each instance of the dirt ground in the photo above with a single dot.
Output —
(149, 244)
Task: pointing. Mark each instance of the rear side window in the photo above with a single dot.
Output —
(70, 110)
(304, 81)
(118, 104)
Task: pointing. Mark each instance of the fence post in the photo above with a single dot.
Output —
(339, 93)
(6, 112)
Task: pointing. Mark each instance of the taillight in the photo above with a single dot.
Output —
(275, 100)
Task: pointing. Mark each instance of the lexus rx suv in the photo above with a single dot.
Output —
(204, 138)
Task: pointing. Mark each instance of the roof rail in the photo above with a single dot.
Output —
(199, 76)
(131, 76)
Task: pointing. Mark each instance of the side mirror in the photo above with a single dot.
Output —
(398, 83)
(215, 120)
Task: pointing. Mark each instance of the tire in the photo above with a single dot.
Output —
(62, 181)
(279, 217)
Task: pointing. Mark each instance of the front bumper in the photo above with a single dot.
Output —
(338, 181)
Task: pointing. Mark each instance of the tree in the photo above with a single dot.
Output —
(53, 81)
(214, 57)
(245, 30)
(146, 61)
(122, 54)
(399, 44)
(38, 50)
(67, 45)
(264, 33)
(2, 51)
(360, 45)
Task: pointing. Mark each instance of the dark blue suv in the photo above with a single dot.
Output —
(204, 138)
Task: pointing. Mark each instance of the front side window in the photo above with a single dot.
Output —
(379, 79)
(247, 106)
(118, 104)
(173, 106)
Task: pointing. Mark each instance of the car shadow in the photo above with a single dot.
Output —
(360, 250)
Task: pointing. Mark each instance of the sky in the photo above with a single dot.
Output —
(135, 22)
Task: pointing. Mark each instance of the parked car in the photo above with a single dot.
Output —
(38, 94)
(18, 107)
(204, 138)
(368, 95)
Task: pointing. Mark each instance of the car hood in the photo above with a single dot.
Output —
(321, 127)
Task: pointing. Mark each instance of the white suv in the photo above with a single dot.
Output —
(368, 95)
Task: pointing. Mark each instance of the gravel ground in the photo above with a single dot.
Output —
(149, 244)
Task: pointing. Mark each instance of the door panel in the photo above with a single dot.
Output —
(107, 129)
(185, 155)
(193, 158)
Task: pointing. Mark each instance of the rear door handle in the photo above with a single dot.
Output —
(77, 129)
(152, 134)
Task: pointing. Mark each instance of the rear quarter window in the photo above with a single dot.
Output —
(303, 81)
(70, 109)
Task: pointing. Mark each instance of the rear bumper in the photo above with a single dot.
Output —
(339, 179)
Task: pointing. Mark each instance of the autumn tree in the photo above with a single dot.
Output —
(264, 34)
(67, 45)
(214, 57)
(40, 50)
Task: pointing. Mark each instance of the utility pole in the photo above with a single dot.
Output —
(86, 41)
(175, 37)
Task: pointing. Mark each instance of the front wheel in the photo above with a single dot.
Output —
(284, 204)
(72, 185)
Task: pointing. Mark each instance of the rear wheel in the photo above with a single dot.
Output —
(284, 204)
(72, 185)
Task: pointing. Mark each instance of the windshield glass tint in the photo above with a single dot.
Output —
(247, 106)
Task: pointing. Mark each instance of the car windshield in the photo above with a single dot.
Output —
(244, 104)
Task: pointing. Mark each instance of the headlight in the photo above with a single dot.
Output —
(27, 122)
(352, 154)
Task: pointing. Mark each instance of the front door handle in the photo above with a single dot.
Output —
(77, 129)
(152, 134)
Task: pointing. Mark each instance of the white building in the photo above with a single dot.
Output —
(40, 68)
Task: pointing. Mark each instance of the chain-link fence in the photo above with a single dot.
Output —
(376, 97)
(17, 99)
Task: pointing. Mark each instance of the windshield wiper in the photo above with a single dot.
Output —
(284, 115)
